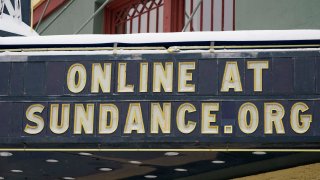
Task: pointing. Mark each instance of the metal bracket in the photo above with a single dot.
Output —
(115, 47)
(173, 49)
(211, 50)
(14, 11)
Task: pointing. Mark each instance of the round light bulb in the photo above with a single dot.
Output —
(105, 169)
(5, 154)
(180, 170)
(16, 171)
(85, 154)
(259, 153)
(150, 176)
(218, 162)
(135, 162)
(171, 153)
(52, 161)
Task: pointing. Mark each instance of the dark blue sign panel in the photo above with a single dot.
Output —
(200, 100)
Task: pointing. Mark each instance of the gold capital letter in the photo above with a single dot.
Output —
(181, 118)
(162, 77)
(257, 67)
(122, 79)
(74, 86)
(273, 114)
(305, 120)
(54, 118)
(184, 76)
(104, 128)
(83, 118)
(160, 118)
(242, 118)
(31, 116)
(143, 77)
(208, 118)
(231, 77)
(134, 120)
(101, 77)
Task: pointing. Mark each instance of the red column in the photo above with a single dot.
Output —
(173, 15)
(108, 23)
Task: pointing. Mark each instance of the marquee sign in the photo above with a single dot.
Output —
(266, 99)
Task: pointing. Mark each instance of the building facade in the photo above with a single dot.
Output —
(142, 16)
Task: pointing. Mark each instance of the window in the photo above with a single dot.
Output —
(143, 16)
(212, 15)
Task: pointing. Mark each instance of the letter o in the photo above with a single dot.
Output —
(242, 118)
(74, 86)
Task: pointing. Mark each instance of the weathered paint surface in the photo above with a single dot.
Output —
(277, 14)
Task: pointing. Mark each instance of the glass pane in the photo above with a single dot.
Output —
(228, 15)
(152, 24)
(207, 15)
(135, 25)
(144, 23)
(160, 22)
(217, 15)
